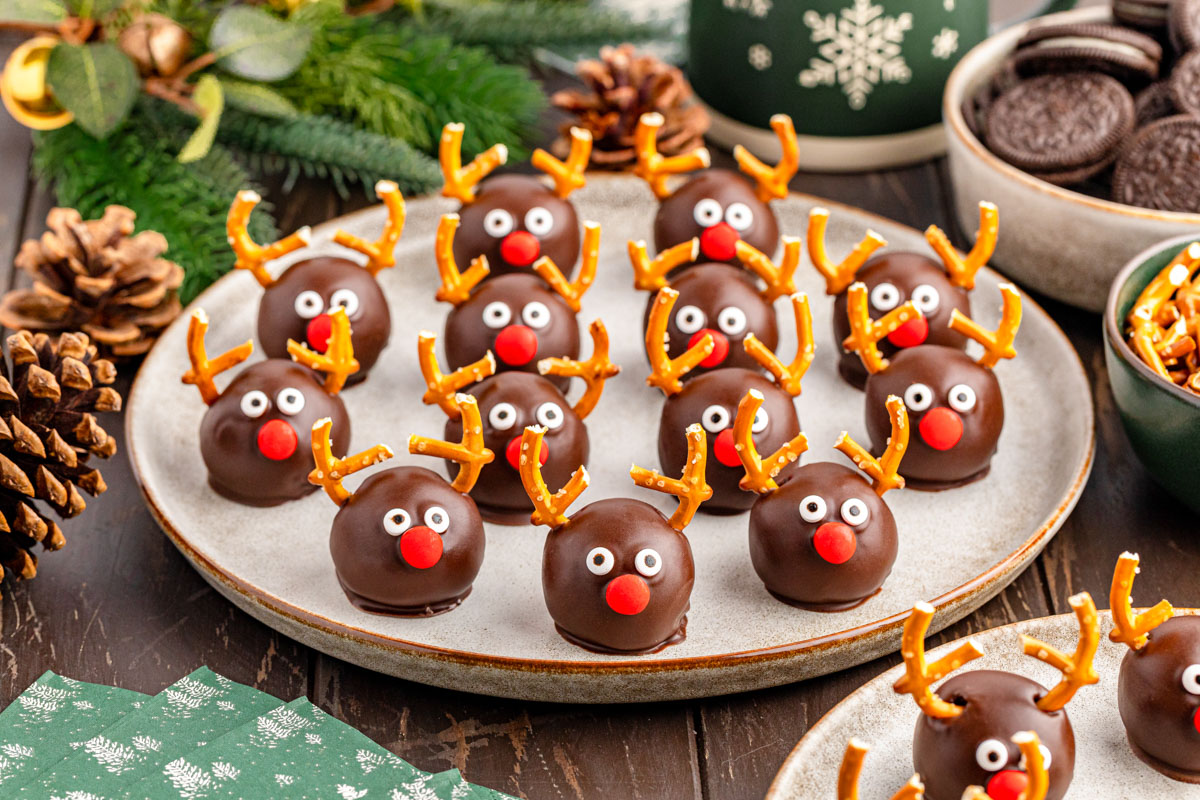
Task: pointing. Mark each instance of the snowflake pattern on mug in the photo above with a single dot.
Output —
(760, 57)
(860, 48)
(945, 44)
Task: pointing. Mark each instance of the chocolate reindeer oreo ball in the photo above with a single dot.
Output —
(964, 735)
(406, 542)
(718, 207)
(250, 435)
(1158, 692)
(514, 220)
(617, 575)
(299, 304)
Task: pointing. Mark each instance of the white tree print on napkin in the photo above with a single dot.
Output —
(348, 792)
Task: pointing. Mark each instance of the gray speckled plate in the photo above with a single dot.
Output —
(275, 563)
(1104, 765)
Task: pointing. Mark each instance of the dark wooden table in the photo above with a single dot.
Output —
(119, 605)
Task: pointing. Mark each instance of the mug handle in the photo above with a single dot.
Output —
(1048, 7)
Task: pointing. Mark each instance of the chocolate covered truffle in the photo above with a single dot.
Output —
(617, 575)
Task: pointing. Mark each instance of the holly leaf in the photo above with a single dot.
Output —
(37, 11)
(96, 82)
(258, 99)
(211, 100)
(253, 43)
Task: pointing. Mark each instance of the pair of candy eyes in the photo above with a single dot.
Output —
(503, 416)
(499, 223)
(396, 521)
(886, 296)
(289, 401)
(600, 561)
(497, 314)
(919, 397)
(731, 320)
(717, 418)
(708, 212)
(993, 756)
(310, 304)
(854, 511)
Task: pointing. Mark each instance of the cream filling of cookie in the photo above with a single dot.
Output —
(1091, 44)
(1140, 10)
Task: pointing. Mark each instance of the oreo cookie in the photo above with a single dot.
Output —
(1160, 167)
(1153, 103)
(1183, 24)
(1149, 16)
(1089, 47)
(1184, 85)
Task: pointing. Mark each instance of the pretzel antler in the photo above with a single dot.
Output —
(1130, 628)
(852, 763)
(760, 475)
(1077, 668)
(337, 362)
(691, 488)
(962, 269)
(920, 676)
(460, 181)
(443, 389)
(837, 276)
(772, 182)
(380, 254)
(865, 333)
(573, 291)
(329, 470)
(1038, 779)
(548, 509)
(594, 372)
(251, 255)
(653, 167)
(788, 376)
(780, 280)
(203, 370)
(651, 275)
(470, 454)
(999, 344)
(884, 471)
(1144, 318)
(665, 372)
(567, 175)
(456, 286)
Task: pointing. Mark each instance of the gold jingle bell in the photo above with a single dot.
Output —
(23, 86)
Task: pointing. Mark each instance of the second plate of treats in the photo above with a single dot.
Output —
(958, 548)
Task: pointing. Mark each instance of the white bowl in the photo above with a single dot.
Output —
(1061, 243)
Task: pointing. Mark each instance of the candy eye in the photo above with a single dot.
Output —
(648, 562)
(1191, 679)
(536, 315)
(344, 298)
(496, 315)
(550, 415)
(715, 419)
(926, 298)
(502, 416)
(498, 222)
(396, 521)
(812, 508)
(1047, 757)
(992, 755)
(707, 213)
(539, 221)
(962, 398)
(600, 561)
(437, 519)
(739, 216)
(885, 297)
(309, 304)
(761, 421)
(918, 397)
(254, 404)
(854, 512)
(732, 320)
(689, 319)
(290, 401)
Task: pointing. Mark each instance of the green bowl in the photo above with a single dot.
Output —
(1161, 419)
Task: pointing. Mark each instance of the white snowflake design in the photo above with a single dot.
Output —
(860, 49)
(347, 792)
(113, 756)
(760, 57)
(945, 44)
(755, 8)
(948, 5)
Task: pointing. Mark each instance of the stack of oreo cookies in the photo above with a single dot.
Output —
(1112, 110)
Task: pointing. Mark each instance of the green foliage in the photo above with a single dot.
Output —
(36, 11)
(253, 43)
(258, 99)
(211, 100)
(96, 82)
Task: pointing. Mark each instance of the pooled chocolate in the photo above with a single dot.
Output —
(720, 207)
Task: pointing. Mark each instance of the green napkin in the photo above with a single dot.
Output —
(54, 715)
(194, 710)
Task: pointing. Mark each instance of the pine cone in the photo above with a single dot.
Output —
(622, 86)
(47, 432)
(95, 277)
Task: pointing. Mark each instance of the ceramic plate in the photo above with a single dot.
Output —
(1104, 764)
(275, 563)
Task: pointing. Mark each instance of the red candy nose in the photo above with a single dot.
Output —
(277, 440)
(520, 248)
(1196, 720)
(835, 542)
(516, 345)
(627, 594)
(512, 452)
(719, 243)
(725, 450)
(420, 547)
(1007, 785)
(720, 347)
(320, 328)
(941, 428)
(911, 333)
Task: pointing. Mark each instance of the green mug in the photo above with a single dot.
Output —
(861, 79)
